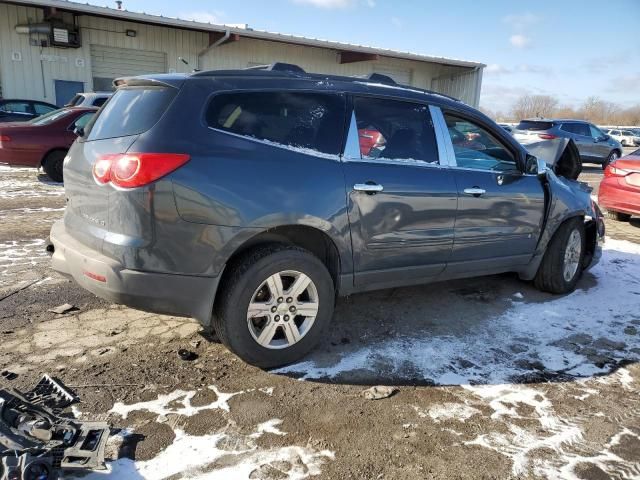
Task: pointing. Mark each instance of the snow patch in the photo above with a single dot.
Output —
(162, 408)
(547, 326)
(197, 457)
(448, 411)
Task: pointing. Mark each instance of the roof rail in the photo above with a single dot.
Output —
(380, 78)
(278, 67)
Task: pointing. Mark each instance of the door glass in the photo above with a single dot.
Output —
(583, 129)
(475, 147)
(82, 121)
(595, 132)
(568, 127)
(310, 121)
(42, 109)
(16, 107)
(395, 130)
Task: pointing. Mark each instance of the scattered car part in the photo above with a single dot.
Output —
(61, 309)
(379, 392)
(187, 355)
(36, 441)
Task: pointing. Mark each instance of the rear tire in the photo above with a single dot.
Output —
(268, 335)
(613, 156)
(617, 216)
(52, 165)
(561, 266)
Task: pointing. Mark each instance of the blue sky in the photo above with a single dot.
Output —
(572, 49)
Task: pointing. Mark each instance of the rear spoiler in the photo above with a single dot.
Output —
(167, 80)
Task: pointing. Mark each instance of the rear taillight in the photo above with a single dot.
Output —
(5, 138)
(612, 171)
(131, 170)
(547, 136)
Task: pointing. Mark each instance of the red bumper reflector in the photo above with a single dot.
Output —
(95, 276)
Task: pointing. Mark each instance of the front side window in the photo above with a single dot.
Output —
(475, 147)
(309, 121)
(41, 109)
(395, 130)
(596, 132)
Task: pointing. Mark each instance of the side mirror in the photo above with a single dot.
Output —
(79, 131)
(536, 166)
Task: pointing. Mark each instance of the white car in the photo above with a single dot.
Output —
(89, 99)
(626, 137)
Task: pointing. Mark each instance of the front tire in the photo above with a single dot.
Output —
(275, 305)
(52, 165)
(561, 266)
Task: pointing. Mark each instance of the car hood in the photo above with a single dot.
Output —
(560, 154)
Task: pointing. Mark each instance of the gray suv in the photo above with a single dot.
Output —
(249, 199)
(594, 145)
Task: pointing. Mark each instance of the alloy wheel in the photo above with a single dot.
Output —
(572, 255)
(283, 309)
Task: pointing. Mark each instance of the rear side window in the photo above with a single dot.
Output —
(534, 125)
(98, 102)
(395, 130)
(131, 111)
(295, 119)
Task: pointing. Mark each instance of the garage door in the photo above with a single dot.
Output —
(401, 76)
(108, 63)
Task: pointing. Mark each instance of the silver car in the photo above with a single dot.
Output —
(594, 145)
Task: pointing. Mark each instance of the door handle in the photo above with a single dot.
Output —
(368, 187)
(475, 191)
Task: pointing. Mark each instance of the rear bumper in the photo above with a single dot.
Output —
(619, 198)
(172, 294)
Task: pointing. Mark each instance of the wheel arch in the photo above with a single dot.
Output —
(313, 239)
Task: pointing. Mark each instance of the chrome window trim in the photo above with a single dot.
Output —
(445, 148)
(352, 150)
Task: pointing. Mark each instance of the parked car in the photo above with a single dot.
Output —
(44, 141)
(23, 110)
(243, 198)
(626, 137)
(89, 99)
(619, 191)
(593, 144)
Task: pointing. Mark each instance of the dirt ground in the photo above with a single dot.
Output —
(494, 379)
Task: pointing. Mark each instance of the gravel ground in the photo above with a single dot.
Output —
(494, 379)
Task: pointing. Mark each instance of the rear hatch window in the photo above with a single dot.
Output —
(534, 125)
(131, 111)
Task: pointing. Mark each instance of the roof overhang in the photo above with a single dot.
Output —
(347, 51)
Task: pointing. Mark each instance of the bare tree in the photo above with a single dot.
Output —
(529, 106)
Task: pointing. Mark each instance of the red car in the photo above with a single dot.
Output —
(43, 141)
(619, 191)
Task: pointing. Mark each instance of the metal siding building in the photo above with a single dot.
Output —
(115, 43)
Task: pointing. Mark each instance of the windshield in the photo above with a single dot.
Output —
(50, 117)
